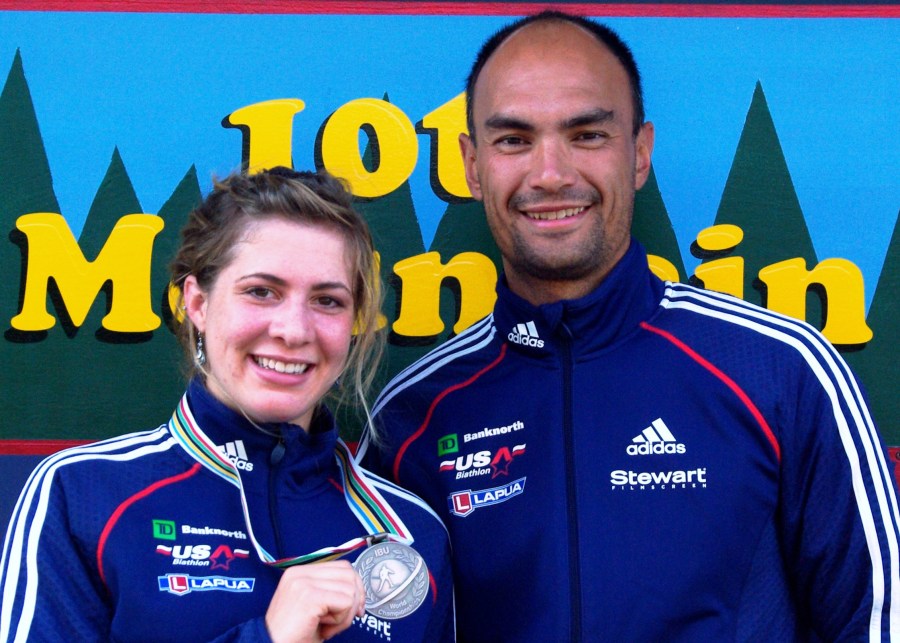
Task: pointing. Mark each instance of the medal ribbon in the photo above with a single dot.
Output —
(373, 512)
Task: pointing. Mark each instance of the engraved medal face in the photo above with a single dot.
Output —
(395, 578)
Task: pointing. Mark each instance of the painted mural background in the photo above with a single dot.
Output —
(779, 131)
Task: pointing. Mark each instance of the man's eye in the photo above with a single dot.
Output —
(591, 137)
(511, 141)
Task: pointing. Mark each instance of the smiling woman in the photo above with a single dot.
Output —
(276, 323)
(248, 485)
(273, 258)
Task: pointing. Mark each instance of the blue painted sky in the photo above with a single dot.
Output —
(158, 85)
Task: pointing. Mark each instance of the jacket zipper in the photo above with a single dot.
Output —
(571, 495)
(275, 458)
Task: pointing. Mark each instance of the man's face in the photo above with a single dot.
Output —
(555, 160)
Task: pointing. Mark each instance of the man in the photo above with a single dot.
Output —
(619, 459)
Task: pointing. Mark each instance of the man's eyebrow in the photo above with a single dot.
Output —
(501, 121)
(594, 117)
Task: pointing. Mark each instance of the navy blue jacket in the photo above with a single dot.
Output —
(132, 539)
(652, 462)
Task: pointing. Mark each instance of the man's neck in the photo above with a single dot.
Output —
(546, 291)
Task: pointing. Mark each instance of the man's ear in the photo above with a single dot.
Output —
(643, 151)
(195, 301)
(467, 149)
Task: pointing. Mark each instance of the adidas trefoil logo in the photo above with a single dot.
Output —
(236, 453)
(526, 335)
(655, 439)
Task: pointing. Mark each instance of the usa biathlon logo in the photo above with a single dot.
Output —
(203, 555)
(462, 503)
(483, 462)
(180, 584)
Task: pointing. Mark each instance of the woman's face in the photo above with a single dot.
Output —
(277, 321)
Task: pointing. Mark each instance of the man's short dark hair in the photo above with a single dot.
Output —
(602, 33)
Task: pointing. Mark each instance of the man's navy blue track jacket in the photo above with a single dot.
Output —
(652, 462)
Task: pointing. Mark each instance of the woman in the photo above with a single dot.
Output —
(237, 519)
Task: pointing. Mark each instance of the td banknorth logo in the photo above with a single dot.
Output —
(525, 335)
(448, 444)
(164, 529)
(656, 439)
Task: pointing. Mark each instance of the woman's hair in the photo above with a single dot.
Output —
(214, 228)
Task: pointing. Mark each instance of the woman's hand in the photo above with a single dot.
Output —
(314, 602)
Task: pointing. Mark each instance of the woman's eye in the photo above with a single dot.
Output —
(330, 302)
(259, 292)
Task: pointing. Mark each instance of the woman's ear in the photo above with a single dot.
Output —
(195, 300)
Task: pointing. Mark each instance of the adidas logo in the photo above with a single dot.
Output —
(526, 335)
(655, 439)
(235, 452)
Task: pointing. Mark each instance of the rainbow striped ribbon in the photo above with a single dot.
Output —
(380, 521)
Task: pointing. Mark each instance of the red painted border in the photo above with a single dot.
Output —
(37, 447)
(398, 7)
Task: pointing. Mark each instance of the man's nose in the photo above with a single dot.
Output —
(551, 166)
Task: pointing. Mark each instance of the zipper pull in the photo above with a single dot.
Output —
(277, 453)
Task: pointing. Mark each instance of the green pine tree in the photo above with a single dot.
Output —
(652, 226)
(396, 233)
(25, 181)
(759, 197)
(99, 383)
(25, 187)
(877, 364)
(462, 228)
(165, 346)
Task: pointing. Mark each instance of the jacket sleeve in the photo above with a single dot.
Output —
(839, 512)
(50, 588)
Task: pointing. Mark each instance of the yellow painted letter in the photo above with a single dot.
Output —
(447, 122)
(421, 278)
(662, 268)
(722, 275)
(842, 280)
(124, 260)
(392, 139)
(267, 129)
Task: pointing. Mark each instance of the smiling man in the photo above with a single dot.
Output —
(617, 458)
(556, 155)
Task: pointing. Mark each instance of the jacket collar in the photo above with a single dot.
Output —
(303, 452)
(627, 296)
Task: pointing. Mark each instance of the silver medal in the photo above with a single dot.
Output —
(395, 578)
